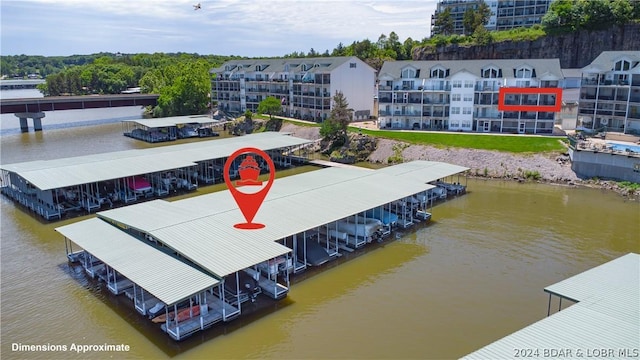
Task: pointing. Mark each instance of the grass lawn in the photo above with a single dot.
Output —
(515, 144)
(507, 143)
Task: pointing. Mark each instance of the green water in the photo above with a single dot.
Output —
(442, 290)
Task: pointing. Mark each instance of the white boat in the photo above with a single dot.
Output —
(362, 228)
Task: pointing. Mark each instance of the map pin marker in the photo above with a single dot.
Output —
(249, 170)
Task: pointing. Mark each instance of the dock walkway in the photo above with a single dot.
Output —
(326, 163)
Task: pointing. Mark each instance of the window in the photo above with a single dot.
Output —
(408, 74)
(468, 97)
(466, 110)
(352, 65)
(622, 65)
(407, 85)
(304, 67)
(523, 73)
(258, 68)
(468, 83)
(457, 83)
(490, 73)
(438, 73)
(455, 110)
(455, 97)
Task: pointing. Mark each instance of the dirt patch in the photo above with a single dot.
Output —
(304, 132)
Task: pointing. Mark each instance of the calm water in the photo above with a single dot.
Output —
(472, 276)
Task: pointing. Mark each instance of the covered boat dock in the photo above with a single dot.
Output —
(299, 211)
(604, 323)
(171, 128)
(53, 188)
(151, 278)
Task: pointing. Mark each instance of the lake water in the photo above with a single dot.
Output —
(474, 274)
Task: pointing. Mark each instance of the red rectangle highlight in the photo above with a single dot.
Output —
(527, 91)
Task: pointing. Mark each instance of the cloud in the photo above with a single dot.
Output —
(268, 28)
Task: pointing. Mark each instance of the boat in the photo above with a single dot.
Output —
(139, 185)
(316, 254)
(183, 314)
(248, 286)
(362, 228)
(249, 171)
(387, 218)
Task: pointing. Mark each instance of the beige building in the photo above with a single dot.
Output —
(304, 86)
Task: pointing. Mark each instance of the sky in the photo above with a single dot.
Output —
(251, 28)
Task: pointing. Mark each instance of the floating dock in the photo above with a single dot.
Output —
(304, 210)
(172, 128)
(604, 323)
(85, 184)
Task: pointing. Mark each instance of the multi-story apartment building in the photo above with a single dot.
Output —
(610, 93)
(505, 14)
(305, 86)
(463, 95)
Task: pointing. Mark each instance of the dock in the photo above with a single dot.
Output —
(74, 186)
(325, 163)
(603, 322)
(198, 233)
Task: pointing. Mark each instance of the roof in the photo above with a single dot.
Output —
(173, 121)
(60, 173)
(542, 66)
(425, 171)
(572, 73)
(201, 228)
(605, 61)
(606, 318)
(325, 64)
(623, 272)
(165, 277)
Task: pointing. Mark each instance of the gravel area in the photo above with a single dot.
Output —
(553, 168)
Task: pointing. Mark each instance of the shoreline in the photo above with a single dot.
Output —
(552, 168)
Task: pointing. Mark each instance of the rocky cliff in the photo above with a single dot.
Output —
(575, 50)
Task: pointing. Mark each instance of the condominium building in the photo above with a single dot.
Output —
(304, 86)
(463, 95)
(505, 14)
(610, 93)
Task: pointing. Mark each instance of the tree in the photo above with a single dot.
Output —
(270, 105)
(473, 18)
(335, 127)
(468, 21)
(444, 23)
(595, 14)
(622, 11)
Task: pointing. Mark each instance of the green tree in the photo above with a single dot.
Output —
(188, 93)
(335, 127)
(482, 36)
(444, 23)
(473, 18)
(595, 14)
(622, 11)
(468, 21)
(270, 105)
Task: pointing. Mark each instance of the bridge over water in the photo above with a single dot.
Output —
(34, 108)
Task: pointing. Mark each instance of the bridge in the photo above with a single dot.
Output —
(34, 107)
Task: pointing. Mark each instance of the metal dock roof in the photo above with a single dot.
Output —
(423, 170)
(60, 173)
(605, 320)
(165, 277)
(295, 204)
(173, 121)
